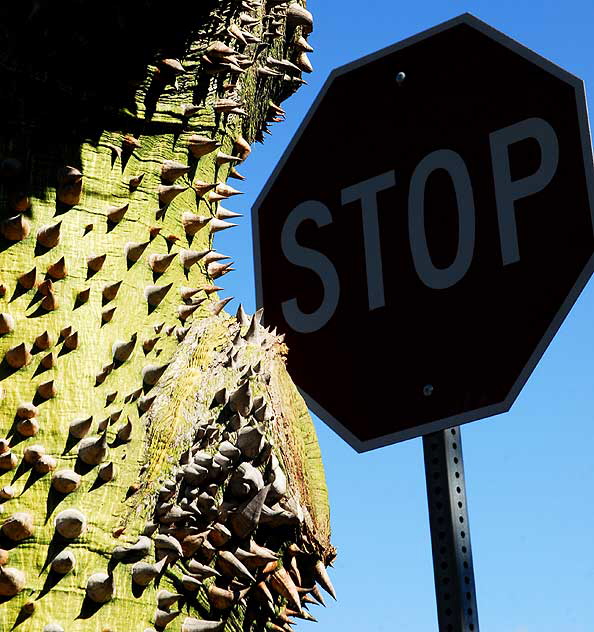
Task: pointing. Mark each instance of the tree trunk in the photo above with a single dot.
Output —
(148, 434)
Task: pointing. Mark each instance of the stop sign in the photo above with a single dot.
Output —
(427, 231)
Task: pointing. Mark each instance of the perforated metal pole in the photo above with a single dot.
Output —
(450, 534)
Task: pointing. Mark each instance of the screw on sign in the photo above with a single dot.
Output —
(420, 249)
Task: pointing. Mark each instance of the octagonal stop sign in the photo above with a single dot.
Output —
(427, 231)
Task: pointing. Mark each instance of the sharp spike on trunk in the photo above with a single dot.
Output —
(202, 188)
(70, 523)
(237, 33)
(224, 213)
(15, 228)
(106, 472)
(95, 262)
(71, 342)
(110, 290)
(213, 196)
(171, 170)
(44, 341)
(18, 356)
(79, 428)
(58, 270)
(49, 361)
(149, 344)
(191, 624)
(48, 236)
(145, 402)
(66, 481)
(241, 317)
(300, 16)
(225, 190)
(225, 105)
(304, 63)
(304, 614)
(188, 110)
(191, 584)
(281, 582)
(152, 373)
(187, 292)
(160, 263)
(212, 255)
(93, 450)
(295, 570)
(115, 214)
(168, 192)
(69, 187)
(166, 599)
(6, 323)
(12, 581)
(189, 257)
(124, 432)
(133, 250)
(223, 158)
(231, 566)
(201, 145)
(135, 181)
(303, 44)
(168, 545)
(107, 314)
(143, 574)
(47, 390)
(218, 307)
(83, 296)
(185, 311)
(121, 350)
(323, 579)
(154, 294)
(252, 334)
(216, 270)
(242, 147)
(315, 591)
(216, 225)
(192, 223)
(171, 65)
(220, 598)
(233, 173)
(64, 561)
(247, 516)
(28, 280)
(282, 63)
(265, 596)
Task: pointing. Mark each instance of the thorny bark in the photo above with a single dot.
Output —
(147, 433)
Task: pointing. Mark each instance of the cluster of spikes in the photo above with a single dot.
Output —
(226, 530)
(45, 283)
(251, 42)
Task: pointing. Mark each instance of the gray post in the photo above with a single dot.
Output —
(450, 534)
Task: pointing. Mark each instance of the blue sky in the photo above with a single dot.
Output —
(530, 472)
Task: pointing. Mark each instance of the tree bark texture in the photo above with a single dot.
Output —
(158, 468)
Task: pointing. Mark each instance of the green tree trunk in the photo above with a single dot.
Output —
(147, 434)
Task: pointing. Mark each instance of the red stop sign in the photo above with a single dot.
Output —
(427, 231)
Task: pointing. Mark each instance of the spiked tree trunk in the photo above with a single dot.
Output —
(157, 466)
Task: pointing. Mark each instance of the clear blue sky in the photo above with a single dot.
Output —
(530, 472)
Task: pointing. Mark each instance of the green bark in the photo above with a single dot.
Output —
(114, 121)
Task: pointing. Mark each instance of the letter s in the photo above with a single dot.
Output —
(313, 260)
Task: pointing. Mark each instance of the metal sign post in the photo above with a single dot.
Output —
(450, 532)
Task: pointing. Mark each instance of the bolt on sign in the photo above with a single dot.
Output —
(427, 231)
